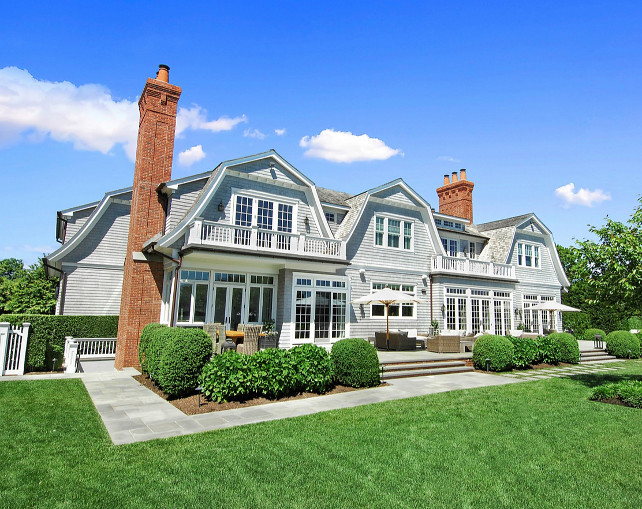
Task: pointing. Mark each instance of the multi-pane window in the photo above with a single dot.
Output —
(320, 312)
(528, 255)
(243, 218)
(264, 216)
(192, 296)
(261, 299)
(451, 246)
(329, 217)
(393, 233)
(404, 310)
(267, 216)
(284, 225)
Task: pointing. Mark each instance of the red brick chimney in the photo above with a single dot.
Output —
(142, 279)
(456, 196)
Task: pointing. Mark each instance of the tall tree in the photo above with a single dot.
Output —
(26, 290)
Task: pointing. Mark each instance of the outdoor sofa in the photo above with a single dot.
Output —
(398, 341)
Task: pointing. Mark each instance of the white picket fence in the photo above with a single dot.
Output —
(13, 348)
(87, 349)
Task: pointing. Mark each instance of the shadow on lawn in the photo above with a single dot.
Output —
(593, 380)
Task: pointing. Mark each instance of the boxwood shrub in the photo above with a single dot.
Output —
(498, 349)
(143, 344)
(524, 353)
(47, 334)
(589, 334)
(184, 353)
(548, 350)
(313, 368)
(568, 349)
(355, 363)
(619, 343)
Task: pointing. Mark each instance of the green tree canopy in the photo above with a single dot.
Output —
(26, 290)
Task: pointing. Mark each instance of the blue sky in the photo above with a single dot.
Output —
(528, 98)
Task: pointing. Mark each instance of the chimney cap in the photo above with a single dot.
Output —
(163, 66)
(163, 73)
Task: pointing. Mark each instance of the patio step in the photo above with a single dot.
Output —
(595, 356)
(408, 369)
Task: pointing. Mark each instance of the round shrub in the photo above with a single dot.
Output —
(619, 343)
(158, 337)
(313, 368)
(589, 334)
(548, 350)
(271, 373)
(143, 344)
(355, 363)
(185, 353)
(568, 349)
(225, 377)
(498, 349)
(524, 353)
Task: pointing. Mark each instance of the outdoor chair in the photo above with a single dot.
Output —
(213, 329)
(398, 341)
(444, 344)
(251, 339)
(240, 327)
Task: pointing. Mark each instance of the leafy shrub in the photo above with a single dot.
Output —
(159, 336)
(589, 334)
(184, 353)
(271, 373)
(525, 352)
(633, 323)
(313, 368)
(567, 348)
(548, 350)
(355, 363)
(498, 349)
(628, 391)
(577, 322)
(619, 343)
(226, 377)
(143, 344)
(47, 334)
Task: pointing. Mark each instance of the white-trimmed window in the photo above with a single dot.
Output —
(193, 289)
(405, 310)
(451, 246)
(528, 255)
(393, 233)
(330, 217)
(320, 305)
(267, 215)
(261, 299)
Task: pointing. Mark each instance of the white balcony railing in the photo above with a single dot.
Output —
(466, 266)
(254, 239)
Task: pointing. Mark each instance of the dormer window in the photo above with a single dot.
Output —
(528, 255)
(393, 233)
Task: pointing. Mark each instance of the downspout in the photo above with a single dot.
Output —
(178, 267)
(430, 279)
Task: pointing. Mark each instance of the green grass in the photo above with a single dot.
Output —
(535, 444)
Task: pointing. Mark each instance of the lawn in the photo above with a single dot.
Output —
(532, 444)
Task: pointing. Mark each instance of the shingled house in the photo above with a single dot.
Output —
(256, 240)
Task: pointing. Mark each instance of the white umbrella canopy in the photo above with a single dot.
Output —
(553, 306)
(386, 297)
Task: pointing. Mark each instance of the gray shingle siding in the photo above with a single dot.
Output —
(76, 221)
(92, 291)
(181, 201)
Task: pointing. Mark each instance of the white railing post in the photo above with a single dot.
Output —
(4, 339)
(73, 356)
(65, 355)
(301, 246)
(23, 348)
(491, 268)
(254, 244)
(195, 233)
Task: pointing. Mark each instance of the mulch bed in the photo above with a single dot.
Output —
(189, 404)
(614, 401)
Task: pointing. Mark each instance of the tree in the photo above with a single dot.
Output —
(26, 290)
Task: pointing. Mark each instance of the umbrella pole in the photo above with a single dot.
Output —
(387, 327)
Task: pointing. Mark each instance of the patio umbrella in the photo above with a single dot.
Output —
(386, 297)
(551, 306)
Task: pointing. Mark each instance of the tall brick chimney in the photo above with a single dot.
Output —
(456, 196)
(143, 279)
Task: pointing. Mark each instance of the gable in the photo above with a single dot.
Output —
(268, 168)
(531, 227)
(398, 195)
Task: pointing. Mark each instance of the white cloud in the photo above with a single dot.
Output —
(191, 155)
(345, 147)
(253, 133)
(279, 132)
(448, 159)
(196, 118)
(582, 196)
(84, 115)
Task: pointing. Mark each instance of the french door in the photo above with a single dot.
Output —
(229, 305)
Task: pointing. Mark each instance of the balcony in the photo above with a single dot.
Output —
(476, 268)
(252, 239)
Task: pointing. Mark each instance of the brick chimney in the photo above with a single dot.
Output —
(456, 196)
(143, 279)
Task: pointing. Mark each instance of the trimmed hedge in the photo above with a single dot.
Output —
(184, 354)
(47, 334)
(498, 349)
(144, 344)
(568, 349)
(619, 343)
(355, 363)
(589, 334)
(525, 352)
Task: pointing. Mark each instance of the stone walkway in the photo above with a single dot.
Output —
(543, 374)
(132, 413)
